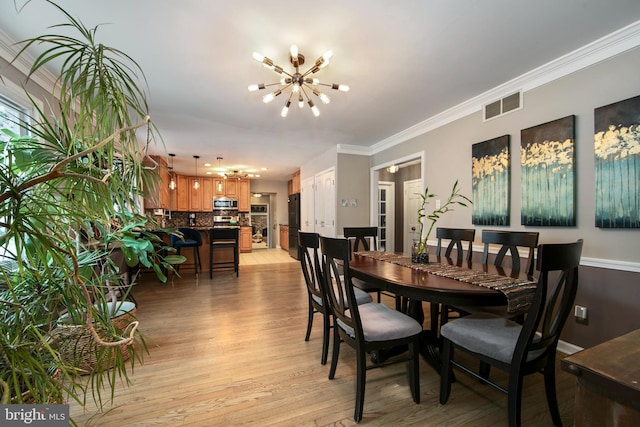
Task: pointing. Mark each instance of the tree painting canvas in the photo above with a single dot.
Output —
(617, 164)
(547, 157)
(491, 181)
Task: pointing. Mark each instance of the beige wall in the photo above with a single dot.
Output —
(611, 294)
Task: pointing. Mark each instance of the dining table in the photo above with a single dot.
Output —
(443, 281)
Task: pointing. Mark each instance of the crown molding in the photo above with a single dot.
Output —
(604, 48)
(8, 51)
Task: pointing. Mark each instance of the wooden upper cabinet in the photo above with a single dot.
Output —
(207, 194)
(244, 195)
(195, 195)
(232, 187)
(219, 186)
(293, 185)
(182, 193)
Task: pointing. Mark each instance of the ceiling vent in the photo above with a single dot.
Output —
(503, 106)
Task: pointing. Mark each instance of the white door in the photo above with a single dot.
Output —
(325, 209)
(307, 205)
(412, 202)
(386, 215)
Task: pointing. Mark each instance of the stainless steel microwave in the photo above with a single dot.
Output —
(225, 203)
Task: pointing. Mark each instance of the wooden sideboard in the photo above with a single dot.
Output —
(607, 382)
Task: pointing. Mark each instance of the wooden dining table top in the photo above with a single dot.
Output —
(421, 285)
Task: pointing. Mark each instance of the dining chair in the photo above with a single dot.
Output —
(509, 242)
(459, 239)
(367, 327)
(313, 276)
(191, 238)
(220, 238)
(516, 348)
(368, 238)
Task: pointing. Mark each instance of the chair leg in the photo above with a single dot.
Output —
(361, 378)
(484, 371)
(414, 371)
(336, 352)
(326, 332)
(550, 391)
(514, 398)
(446, 373)
(309, 320)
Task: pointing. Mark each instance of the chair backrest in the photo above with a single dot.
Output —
(310, 262)
(337, 277)
(548, 314)
(362, 235)
(456, 237)
(510, 241)
(187, 234)
(224, 234)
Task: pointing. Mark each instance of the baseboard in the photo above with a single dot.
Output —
(568, 348)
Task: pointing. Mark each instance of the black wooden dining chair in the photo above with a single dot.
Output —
(313, 276)
(509, 242)
(365, 239)
(367, 327)
(459, 239)
(517, 348)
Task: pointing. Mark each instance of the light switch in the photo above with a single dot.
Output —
(354, 203)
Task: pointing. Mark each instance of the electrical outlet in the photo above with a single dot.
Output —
(580, 313)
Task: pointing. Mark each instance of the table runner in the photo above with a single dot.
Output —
(519, 292)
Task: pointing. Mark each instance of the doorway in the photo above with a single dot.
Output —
(260, 221)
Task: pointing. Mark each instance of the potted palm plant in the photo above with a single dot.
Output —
(70, 184)
(419, 247)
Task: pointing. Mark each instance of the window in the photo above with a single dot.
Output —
(10, 114)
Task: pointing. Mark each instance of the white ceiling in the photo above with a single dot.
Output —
(405, 61)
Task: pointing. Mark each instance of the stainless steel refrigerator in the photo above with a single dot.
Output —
(294, 224)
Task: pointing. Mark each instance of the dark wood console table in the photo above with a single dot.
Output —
(608, 382)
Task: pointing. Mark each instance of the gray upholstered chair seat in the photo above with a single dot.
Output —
(486, 333)
(381, 323)
(361, 297)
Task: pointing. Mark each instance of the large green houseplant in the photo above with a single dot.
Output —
(420, 248)
(70, 185)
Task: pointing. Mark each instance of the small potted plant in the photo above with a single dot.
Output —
(419, 248)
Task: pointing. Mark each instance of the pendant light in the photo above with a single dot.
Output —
(172, 182)
(196, 183)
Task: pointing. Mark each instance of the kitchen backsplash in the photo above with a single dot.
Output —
(203, 219)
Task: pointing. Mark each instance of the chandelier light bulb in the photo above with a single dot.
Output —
(253, 88)
(294, 51)
(300, 101)
(324, 98)
(258, 57)
(343, 88)
(296, 88)
(285, 109)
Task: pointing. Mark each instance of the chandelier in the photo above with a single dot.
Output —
(301, 84)
(237, 174)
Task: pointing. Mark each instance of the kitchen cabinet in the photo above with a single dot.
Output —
(207, 194)
(201, 200)
(182, 193)
(245, 239)
(219, 186)
(284, 237)
(157, 197)
(231, 189)
(295, 182)
(244, 195)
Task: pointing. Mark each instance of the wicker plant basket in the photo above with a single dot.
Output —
(77, 346)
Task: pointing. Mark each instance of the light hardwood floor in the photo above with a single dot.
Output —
(231, 351)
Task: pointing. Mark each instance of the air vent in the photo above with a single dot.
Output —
(502, 106)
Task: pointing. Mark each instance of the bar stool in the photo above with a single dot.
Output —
(224, 238)
(191, 239)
